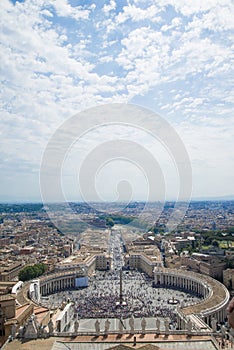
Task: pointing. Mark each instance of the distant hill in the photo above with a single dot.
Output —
(221, 198)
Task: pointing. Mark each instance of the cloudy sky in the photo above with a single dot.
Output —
(60, 57)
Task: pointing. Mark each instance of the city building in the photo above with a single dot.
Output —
(142, 254)
(21, 315)
(10, 271)
(204, 264)
(228, 278)
(7, 310)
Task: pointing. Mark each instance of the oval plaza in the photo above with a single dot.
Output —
(74, 275)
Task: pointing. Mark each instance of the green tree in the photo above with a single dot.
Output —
(215, 243)
(207, 240)
(110, 222)
(30, 272)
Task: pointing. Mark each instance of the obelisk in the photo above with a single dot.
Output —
(121, 288)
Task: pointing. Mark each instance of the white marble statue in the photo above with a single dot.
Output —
(97, 326)
(224, 331)
(13, 330)
(131, 324)
(189, 326)
(30, 329)
(107, 326)
(143, 325)
(214, 324)
(166, 325)
(76, 326)
(158, 325)
(40, 332)
(121, 326)
(51, 327)
(21, 332)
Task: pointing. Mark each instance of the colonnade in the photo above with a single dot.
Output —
(215, 294)
(55, 283)
(175, 279)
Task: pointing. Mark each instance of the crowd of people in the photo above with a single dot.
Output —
(101, 299)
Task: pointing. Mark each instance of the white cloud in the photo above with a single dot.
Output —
(92, 7)
(175, 24)
(137, 14)
(47, 13)
(188, 102)
(191, 7)
(218, 19)
(64, 9)
(110, 7)
(177, 62)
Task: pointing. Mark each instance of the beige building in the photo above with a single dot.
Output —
(204, 264)
(140, 262)
(87, 260)
(6, 287)
(143, 257)
(103, 262)
(213, 268)
(10, 271)
(22, 313)
(228, 278)
(7, 310)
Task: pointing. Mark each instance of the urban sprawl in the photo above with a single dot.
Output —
(106, 269)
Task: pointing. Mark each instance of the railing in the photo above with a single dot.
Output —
(219, 306)
(147, 331)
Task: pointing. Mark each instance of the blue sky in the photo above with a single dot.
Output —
(61, 57)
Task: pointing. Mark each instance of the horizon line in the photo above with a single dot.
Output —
(196, 199)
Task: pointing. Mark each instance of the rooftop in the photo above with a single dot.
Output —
(5, 297)
(114, 342)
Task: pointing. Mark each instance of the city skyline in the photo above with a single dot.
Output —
(173, 58)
